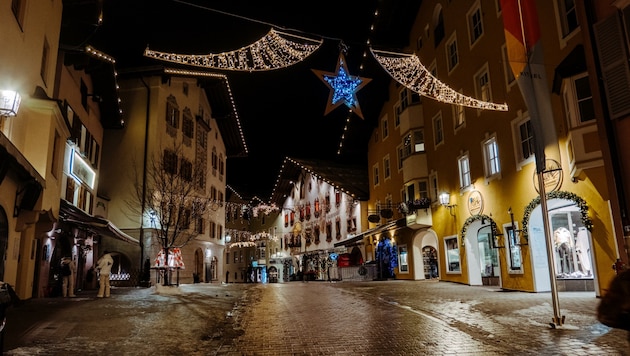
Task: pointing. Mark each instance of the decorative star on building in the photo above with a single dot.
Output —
(343, 87)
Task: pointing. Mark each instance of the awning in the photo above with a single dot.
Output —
(574, 63)
(398, 224)
(351, 241)
(10, 155)
(100, 226)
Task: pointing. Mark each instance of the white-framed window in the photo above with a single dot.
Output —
(423, 188)
(482, 84)
(400, 156)
(475, 23)
(375, 172)
(397, 112)
(438, 129)
(407, 97)
(433, 185)
(413, 142)
(578, 100)
(452, 55)
(403, 262)
(463, 165)
(523, 139)
(387, 173)
(385, 127)
(492, 164)
(451, 246)
(510, 80)
(459, 116)
(567, 14)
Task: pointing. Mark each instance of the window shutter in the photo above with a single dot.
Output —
(611, 48)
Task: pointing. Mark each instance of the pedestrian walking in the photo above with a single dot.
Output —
(104, 268)
(68, 275)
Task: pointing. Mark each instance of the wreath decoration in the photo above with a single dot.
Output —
(581, 203)
(474, 218)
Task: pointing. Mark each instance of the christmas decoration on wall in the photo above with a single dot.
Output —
(409, 71)
(273, 51)
(343, 87)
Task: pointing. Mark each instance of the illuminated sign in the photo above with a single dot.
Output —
(81, 170)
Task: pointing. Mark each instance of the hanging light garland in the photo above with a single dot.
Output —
(409, 71)
(273, 51)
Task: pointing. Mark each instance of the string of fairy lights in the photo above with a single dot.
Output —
(410, 72)
(273, 51)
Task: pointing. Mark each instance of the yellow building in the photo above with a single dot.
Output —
(477, 165)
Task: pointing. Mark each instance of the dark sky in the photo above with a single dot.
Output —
(281, 111)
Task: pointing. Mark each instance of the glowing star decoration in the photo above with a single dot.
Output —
(343, 87)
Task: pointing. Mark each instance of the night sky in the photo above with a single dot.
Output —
(281, 111)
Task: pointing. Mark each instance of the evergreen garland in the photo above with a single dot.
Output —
(581, 203)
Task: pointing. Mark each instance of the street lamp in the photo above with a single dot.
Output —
(9, 103)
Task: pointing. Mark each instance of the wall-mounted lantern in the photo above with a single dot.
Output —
(9, 103)
(445, 200)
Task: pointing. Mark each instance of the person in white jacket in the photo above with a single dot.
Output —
(68, 273)
(104, 268)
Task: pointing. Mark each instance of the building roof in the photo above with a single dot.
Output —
(351, 179)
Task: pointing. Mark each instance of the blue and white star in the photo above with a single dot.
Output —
(343, 87)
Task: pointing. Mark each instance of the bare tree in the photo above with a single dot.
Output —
(172, 194)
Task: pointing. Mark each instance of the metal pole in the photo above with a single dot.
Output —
(557, 318)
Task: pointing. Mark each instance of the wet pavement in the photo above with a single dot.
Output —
(314, 318)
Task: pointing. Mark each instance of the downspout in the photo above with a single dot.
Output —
(144, 177)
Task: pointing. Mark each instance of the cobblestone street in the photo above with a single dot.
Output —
(314, 318)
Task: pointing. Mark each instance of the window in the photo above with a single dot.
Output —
(411, 192)
(452, 255)
(18, 9)
(438, 26)
(43, 71)
(397, 112)
(227, 258)
(578, 100)
(463, 164)
(215, 161)
(185, 88)
(523, 137)
(385, 127)
(200, 225)
(433, 186)
(423, 188)
(400, 156)
(492, 165)
(438, 129)
(475, 23)
(375, 172)
(188, 127)
(386, 168)
(186, 170)
(482, 84)
(407, 97)
(568, 17)
(403, 263)
(452, 56)
(170, 162)
(221, 166)
(413, 142)
(172, 112)
(459, 116)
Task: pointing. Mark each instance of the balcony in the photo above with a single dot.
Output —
(415, 166)
(411, 118)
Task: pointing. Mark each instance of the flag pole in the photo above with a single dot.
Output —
(539, 149)
(557, 320)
